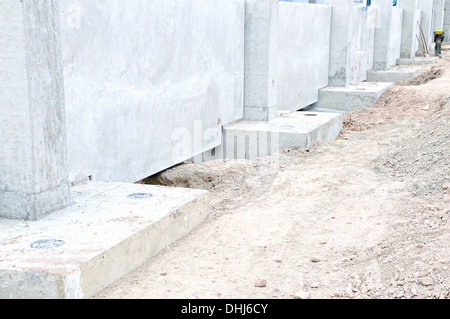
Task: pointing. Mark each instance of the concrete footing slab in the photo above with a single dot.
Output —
(249, 139)
(395, 74)
(418, 60)
(109, 230)
(431, 53)
(352, 97)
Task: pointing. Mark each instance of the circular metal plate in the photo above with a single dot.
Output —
(140, 196)
(47, 243)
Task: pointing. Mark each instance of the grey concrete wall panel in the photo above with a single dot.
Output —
(411, 14)
(446, 22)
(342, 23)
(149, 84)
(370, 36)
(388, 34)
(261, 58)
(363, 40)
(415, 42)
(395, 43)
(352, 42)
(438, 12)
(303, 58)
(33, 156)
(427, 20)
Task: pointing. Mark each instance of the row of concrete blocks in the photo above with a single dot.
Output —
(321, 121)
(112, 228)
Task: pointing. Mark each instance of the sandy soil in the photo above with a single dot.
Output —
(365, 216)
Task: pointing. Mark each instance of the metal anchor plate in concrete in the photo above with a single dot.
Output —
(109, 230)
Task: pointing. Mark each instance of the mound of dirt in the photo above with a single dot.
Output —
(421, 97)
(424, 77)
(423, 158)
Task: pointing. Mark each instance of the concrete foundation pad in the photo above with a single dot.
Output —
(395, 74)
(248, 139)
(352, 97)
(431, 54)
(109, 230)
(421, 60)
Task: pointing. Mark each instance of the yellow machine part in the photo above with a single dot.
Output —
(439, 32)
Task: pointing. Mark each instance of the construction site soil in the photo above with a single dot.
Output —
(365, 216)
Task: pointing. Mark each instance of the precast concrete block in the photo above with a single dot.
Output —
(249, 140)
(146, 82)
(427, 21)
(33, 154)
(446, 22)
(394, 74)
(438, 14)
(411, 15)
(352, 97)
(388, 34)
(109, 230)
(342, 29)
(261, 51)
(417, 60)
(303, 49)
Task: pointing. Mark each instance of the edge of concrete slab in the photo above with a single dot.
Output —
(108, 231)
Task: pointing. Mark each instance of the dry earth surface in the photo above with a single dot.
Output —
(365, 216)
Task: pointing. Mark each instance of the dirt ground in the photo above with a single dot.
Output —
(365, 216)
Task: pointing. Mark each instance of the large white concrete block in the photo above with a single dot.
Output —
(261, 52)
(363, 42)
(411, 15)
(110, 230)
(303, 54)
(342, 24)
(395, 43)
(352, 97)
(33, 159)
(446, 22)
(352, 42)
(438, 13)
(250, 139)
(427, 21)
(149, 84)
(388, 34)
(394, 74)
